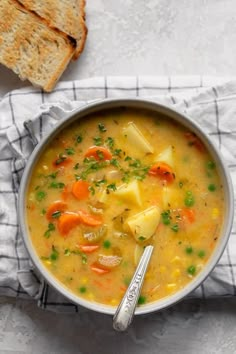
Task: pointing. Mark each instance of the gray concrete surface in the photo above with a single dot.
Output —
(129, 37)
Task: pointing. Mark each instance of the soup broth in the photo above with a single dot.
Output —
(111, 184)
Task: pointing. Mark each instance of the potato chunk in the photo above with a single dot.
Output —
(136, 138)
(129, 192)
(143, 225)
(166, 156)
(171, 197)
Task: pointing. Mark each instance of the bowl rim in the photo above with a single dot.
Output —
(136, 103)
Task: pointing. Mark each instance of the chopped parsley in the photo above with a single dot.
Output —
(92, 166)
(175, 227)
(56, 185)
(51, 227)
(91, 190)
(79, 139)
(102, 128)
(114, 162)
(110, 187)
(43, 211)
(166, 218)
(117, 152)
(60, 159)
(211, 165)
(110, 142)
(54, 255)
(40, 195)
(101, 181)
(76, 166)
(83, 256)
(136, 170)
(53, 175)
(70, 151)
(100, 155)
(97, 140)
(56, 214)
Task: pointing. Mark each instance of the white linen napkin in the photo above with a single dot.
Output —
(209, 101)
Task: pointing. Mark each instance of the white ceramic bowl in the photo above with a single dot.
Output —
(178, 117)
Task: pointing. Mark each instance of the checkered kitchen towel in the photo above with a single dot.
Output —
(211, 102)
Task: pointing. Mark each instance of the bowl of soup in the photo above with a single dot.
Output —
(112, 178)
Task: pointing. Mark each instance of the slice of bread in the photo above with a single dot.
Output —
(66, 15)
(30, 48)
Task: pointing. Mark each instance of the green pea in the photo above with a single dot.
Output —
(201, 254)
(141, 238)
(211, 187)
(189, 199)
(189, 250)
(82, 289)
(127, 281)
(191, 270)
(142, 299)
(211, 165)
(107, 244)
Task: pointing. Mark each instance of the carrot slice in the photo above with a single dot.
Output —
(95, 268)
(88, 248)
(189, 214)
(193, 140)
(163, 171)
(99, 153)
(67, 222)
(58, 205)
(62, 160)
(80, 189)
(65, 193)
(88, 219)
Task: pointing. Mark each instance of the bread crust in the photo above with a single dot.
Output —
(36, 52)
(74, 23)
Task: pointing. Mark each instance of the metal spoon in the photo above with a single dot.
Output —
(125, 311)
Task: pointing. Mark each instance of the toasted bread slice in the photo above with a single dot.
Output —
(30, 48)
(66, 15)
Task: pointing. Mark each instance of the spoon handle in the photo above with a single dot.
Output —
(125, 311)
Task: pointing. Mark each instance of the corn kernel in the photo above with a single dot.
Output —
(171, 287)
(176, 273)
(114, 302)
(45, 167)
(162, 269)
(215, 213)
(31, 197)
(91, 296)
(84, 280)
(176, 260)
